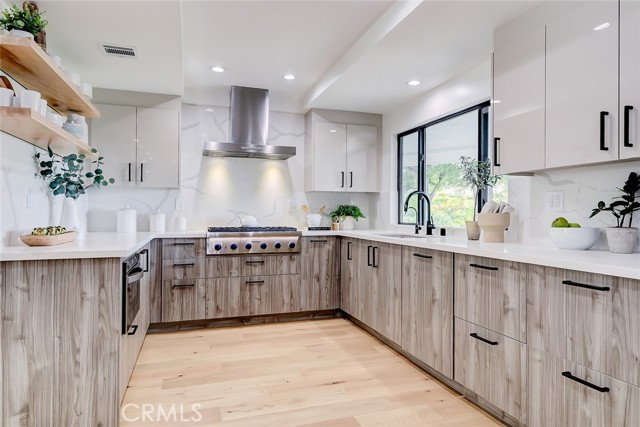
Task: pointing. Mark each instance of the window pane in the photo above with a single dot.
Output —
(451, 199)
(409, 159)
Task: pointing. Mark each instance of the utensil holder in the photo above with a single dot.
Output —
(493, 226)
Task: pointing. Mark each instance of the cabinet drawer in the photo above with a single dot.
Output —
(242, 266)
(491, 293)
(492, 366)
(183, 300)
(182, 268)
(183, 248)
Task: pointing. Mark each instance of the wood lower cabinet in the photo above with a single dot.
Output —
(492, 366)
(562, 393)
(427, 307)
(320, 272)
(491, 293)
(183, 299)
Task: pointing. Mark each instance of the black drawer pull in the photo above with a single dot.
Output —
(186, 264)
(567, 374)
(255, 262)
(184, 285)
(318, 241)
(134, 329)
(369, 256)
(423, 256)
(375, 257)
(254, 282)
(478, 337)
(582, 285)
(349, 251)
(183, 244)
(484, 267)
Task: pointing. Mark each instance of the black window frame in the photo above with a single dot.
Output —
(483, 154)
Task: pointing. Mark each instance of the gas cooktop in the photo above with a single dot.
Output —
(250, 229)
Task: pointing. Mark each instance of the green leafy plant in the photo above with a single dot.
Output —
(26, 18)
(623, 205)
(347, 210)
(66, 175)
(478, 175)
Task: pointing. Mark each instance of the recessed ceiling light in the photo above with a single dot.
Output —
(218, 69)
(209, 110)
(496, 101)
(601, 26)
(414, 82)
(289, 77)
(333, 131)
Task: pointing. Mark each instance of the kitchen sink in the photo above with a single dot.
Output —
(406, 236)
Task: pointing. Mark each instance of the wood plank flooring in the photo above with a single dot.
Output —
(305, 374)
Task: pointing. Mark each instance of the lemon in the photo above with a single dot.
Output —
(560, 223)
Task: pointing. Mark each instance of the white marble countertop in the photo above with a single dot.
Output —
(120, 245)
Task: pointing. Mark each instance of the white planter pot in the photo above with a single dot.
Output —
(20, 33)
(70, 218)
(473, 230)
(622, 240)
(347, 223)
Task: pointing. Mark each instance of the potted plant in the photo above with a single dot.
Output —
(345, 215)
(66, 176)
(622, 239)
(25, 21)
(478, 175)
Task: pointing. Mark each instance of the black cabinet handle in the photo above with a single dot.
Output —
(342, 180)
(478, 337)
(318, 241)
(145, 252)
(191, 284)
(369, 256)
(627, 111)
(375, 257)
(254, 282)
(603, 117)
(423, 256)
(582, 285)
(349, 251)
(183, 244)
(129, 172)
(495, 152)
(255, 262)
(141, 172)
(350, 179)
(186, 264)
(484, 267)
(134, 329)
(567, 374)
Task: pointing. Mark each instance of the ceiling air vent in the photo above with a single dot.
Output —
(121, 51)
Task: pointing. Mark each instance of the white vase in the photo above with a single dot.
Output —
(70, 218)
(622, 240)
(347, 223)
(20, 33)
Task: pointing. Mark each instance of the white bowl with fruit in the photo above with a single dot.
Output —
(570, 235)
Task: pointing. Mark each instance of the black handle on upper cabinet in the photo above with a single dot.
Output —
(134, 329)
(495, 151)
(582, 285)
(603, 117)
(484, 267)
(422, 256)
(342, 180)
(369, 263)
(567, 374)
(129, 172)
(375, 257)
(478, 337)
(349, 251)
(350, 179)
(145, 252)
(627, 111)
(141, 172)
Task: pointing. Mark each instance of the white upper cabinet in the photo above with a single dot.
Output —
(582, 85)
(140, 145)
(518, 94)
(629, 79)
(341, 156)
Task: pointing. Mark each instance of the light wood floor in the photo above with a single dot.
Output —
(311, 374)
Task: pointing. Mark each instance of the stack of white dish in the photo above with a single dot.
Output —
(74, 129)
(55, 118)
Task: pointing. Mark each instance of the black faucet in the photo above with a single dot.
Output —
(430, 225)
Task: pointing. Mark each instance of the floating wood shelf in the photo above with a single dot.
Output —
(24, 61)
(25, 124)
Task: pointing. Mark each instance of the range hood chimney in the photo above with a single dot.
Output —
(249, 127)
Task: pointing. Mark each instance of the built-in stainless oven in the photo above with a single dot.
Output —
(132, 274)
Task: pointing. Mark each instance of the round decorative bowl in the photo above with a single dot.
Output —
(574, 238)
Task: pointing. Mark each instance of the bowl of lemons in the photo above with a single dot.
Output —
(570, 235)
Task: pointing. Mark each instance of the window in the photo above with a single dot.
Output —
(428, 161)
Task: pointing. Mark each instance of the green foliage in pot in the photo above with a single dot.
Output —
(478, 175)
(25, 18)
(624, 205)
(66, 175)
(347, 210)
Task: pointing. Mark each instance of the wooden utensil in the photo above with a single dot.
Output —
(6, 83)
(306, 210)
(321, 210)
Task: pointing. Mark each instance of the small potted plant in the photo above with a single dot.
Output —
(25, 21)
(622, 239)
(345, 215)
(66, 176)
(478, 175)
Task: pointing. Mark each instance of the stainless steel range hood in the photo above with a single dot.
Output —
(249, 127)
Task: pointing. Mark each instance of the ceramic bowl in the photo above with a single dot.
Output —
(574, 238)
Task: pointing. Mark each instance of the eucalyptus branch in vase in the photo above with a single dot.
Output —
(477, 174)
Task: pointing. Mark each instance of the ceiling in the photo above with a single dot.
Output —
(346, 54)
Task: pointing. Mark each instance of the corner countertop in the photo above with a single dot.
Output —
(121, 245)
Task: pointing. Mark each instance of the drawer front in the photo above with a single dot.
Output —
(243, 266)
(182, 268)
(491, 293)
(183, 300)
(183, 248)
(493, 366)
